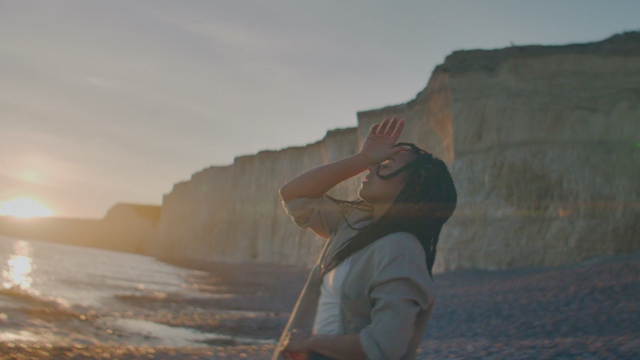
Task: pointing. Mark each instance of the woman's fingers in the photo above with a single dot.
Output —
(397, 130)
(390, 127)
(374, 129)
(383, 126)
(379, 144)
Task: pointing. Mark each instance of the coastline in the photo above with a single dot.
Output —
(586, 310)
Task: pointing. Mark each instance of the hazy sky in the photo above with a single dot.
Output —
(115, 101)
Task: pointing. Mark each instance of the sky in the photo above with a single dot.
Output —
(115, 101)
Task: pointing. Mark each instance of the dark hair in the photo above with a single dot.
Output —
(424, 204)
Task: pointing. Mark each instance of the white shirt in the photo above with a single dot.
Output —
(328, 320)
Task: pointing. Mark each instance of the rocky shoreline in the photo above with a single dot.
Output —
(585, 311)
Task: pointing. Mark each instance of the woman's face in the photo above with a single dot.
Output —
(376, 190)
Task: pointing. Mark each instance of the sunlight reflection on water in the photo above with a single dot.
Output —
(72, 275)
(48, 279)
(18, 274)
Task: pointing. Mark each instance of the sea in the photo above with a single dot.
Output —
(37, 275)
(74, 275)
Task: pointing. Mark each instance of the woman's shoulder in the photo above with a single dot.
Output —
(399, 246)
(398, 242)
(399, 255)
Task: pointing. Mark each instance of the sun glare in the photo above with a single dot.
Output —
(23, 208)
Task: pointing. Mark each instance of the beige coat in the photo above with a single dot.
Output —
(387, 295)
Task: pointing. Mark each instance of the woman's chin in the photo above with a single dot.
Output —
(364, 195)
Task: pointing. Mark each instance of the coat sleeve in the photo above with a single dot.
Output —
(319, 214)
(400, 291)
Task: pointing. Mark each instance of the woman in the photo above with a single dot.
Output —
(370, 294)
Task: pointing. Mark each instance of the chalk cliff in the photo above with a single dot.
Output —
(233, 213)
(543, 143)
(547, 154)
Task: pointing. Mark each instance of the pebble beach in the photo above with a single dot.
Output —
(589, 310)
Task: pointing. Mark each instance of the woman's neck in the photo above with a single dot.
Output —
(379, 209)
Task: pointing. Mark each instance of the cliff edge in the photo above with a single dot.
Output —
(543, 143)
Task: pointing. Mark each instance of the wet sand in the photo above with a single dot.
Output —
(585, 311)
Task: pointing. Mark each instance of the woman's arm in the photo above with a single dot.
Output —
(317, 181)
(337, 347)
(377, 147)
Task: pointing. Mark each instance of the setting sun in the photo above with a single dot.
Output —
(23, 208)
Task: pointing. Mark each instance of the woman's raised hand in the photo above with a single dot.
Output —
(379, 144)
(377, 147)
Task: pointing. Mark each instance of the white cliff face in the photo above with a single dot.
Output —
(543, 144)
(234, 213)
(192, 214)
(546, 156)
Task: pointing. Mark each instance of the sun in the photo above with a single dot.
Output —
(24, 208)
